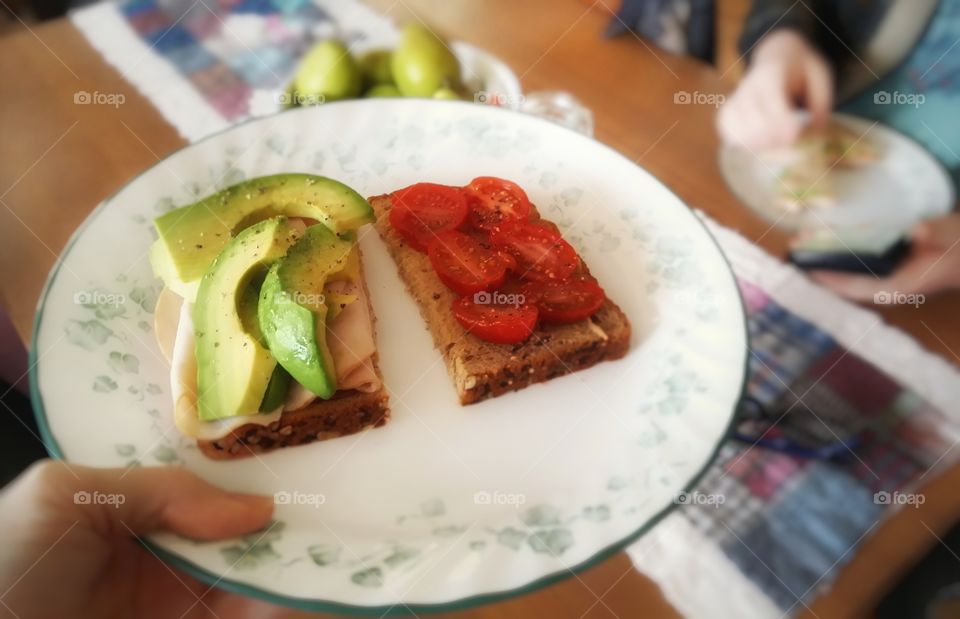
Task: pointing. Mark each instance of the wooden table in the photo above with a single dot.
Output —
(59, 160)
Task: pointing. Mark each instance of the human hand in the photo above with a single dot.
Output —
(932, 266)
(62, 558)
(785, 73)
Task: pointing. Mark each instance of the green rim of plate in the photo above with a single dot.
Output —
(399, 608)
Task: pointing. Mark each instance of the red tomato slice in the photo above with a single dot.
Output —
(494, 201)
(466, 264)
(568, 301)
(499, 324)
(420, 212)
(542, 254)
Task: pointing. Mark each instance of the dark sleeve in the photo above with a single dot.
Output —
(822, 22)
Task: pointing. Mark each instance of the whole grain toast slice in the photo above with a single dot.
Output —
(347, 412)
(481, 369)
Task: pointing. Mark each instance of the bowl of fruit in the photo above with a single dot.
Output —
(421, 65)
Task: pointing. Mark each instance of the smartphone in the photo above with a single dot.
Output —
(875, 252)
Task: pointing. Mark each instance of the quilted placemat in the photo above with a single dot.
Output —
(208, 64)
(855, 417)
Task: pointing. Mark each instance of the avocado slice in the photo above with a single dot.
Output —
(293, 309)
(233, 367)
(190, 237)
(276, 391)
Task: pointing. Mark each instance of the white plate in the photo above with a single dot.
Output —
(489, 79)
(906, 185)
(445, 506)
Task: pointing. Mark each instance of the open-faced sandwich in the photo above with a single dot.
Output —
(508, 301)
(265, 317)
(806, 167)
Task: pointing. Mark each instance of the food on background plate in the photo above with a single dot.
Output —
(265, 316)
(508, 301)
(805, 169)
(422, 65)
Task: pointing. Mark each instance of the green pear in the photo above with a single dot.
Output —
(423, 64)
(328, 71)
(375, 66)
(447, 94)
(383, 90)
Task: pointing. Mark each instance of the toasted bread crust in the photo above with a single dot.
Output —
(480, 369)
(347, 412)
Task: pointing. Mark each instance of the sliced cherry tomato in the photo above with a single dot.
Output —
(494, 201)
(568, 301)
(500, 324)
(541, 253)
(420, 212)
(467, 264)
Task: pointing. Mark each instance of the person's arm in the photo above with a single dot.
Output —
(933, 266)
(786, 73)
(794, 51)
(819, 22)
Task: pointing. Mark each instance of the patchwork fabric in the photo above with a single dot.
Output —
(228, 48)
(789, 522)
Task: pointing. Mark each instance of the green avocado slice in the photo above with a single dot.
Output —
(293, 310)
(190, 237)
(233, 367)
(276, 390)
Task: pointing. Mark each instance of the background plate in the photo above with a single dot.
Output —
(445, 506)
(906, 185)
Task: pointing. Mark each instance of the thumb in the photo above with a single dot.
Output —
(144, 500)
